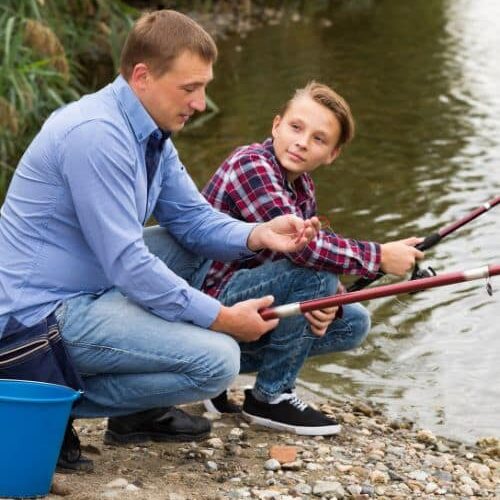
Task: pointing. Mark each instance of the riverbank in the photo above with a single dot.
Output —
(373, 456)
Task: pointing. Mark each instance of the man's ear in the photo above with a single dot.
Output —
(139, 77)
(276, 122)
(334, 154)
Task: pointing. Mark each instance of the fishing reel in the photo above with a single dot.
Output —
(419, 273)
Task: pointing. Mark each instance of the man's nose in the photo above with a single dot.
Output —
(199, 103)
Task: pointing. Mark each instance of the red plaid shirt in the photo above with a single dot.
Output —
(252, 186)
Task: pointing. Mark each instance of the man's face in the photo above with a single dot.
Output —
(172, 98)
(305, 137)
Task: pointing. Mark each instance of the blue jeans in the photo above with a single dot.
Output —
(278, 356)
(132, 360)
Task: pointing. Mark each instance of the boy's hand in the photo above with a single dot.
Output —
(320, 320)
(243, 321)
(286, 233)
(398, 257)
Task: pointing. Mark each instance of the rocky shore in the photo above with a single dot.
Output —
(372, 457)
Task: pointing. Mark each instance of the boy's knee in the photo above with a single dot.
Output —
(360, 323)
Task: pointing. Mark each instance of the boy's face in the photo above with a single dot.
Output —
(305, 137)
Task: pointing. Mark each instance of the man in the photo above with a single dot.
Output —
(73, 246)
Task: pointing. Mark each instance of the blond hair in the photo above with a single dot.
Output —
(158, 37)
(327, 97)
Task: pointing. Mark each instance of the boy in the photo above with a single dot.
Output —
(263, 180)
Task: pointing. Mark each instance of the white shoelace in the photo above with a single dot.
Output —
(292, 398)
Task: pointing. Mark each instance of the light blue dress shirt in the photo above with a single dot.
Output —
(73, 217)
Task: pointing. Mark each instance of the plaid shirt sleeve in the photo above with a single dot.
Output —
(256, 190)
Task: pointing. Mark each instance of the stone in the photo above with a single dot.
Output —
(132, 487)
(283, 454)
(479, 470)
(367, 489)
(343, 467)
(272, 464)
(302, 489)
(215, 443)
(312, 466)
(379, 477)
(354, 489)
(321, 488)
(363, 408)
(418, 475)
(59, 488)
(211, 466)
(296, 465)
(426, 436)
(118, 483)
(443, 476)
(235, 434)
(431, 488)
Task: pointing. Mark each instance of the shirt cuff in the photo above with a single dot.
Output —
(202, 309)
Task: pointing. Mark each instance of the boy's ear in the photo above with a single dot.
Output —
(276, 122)
(334, 154)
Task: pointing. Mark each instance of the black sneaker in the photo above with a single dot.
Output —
(290, 414)
(70, 457)
(221, 404)
(158, 424)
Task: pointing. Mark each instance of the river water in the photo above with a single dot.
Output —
(423, 80)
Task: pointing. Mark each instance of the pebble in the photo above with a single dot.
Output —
(479, 470)
(272, 464)
(117, 483)
(211, 466)
(236, 434)
(215, 443)
(418, 475)
(321, 488)
(431, 488)
(302, 489)
(426, 436)
(212, 416)
(379, 477)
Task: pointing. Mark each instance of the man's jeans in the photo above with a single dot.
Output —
(132, 360)
(278, 356)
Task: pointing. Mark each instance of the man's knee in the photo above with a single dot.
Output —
(220, 366)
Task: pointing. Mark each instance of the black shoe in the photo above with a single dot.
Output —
(289, 414)
(70, 457)
(221, 404)
(158, 424)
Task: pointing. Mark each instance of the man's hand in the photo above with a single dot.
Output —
(243, 321)
(320, 320)
(398, 257)
(286, 233)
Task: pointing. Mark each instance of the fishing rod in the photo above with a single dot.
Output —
(430, 241)
(383, 291)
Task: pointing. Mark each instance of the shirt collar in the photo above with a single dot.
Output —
(140, 120)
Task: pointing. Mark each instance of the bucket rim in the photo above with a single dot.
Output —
(71, 395)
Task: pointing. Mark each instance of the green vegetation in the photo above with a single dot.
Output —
(52, 51)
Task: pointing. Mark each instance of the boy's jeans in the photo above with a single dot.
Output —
(132, 360)
(278, 356)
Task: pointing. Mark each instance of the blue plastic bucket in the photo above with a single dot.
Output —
(33, 419)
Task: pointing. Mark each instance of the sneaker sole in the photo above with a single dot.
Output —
(111, 437)
(295, 429)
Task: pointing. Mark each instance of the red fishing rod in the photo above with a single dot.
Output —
(429, 242)
(382, 291)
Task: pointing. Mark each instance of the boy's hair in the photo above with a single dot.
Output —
(157, 38)
(327, 97)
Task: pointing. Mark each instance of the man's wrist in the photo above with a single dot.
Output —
(254, 242)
